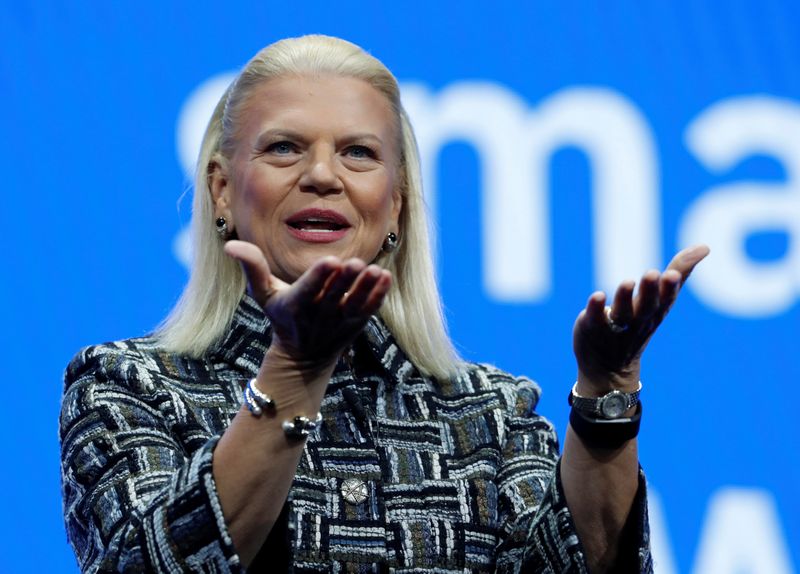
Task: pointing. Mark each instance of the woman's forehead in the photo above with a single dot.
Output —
(304, 99)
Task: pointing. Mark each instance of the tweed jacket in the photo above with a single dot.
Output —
(460, 475)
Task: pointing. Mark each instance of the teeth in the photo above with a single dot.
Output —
(321, 225)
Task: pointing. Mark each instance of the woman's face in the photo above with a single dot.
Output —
(314, 172)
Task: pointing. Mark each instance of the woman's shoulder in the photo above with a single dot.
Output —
(519, 394)
(112, 356)
(138, 364)
(112, 373)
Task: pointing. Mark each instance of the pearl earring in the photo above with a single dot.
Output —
(222, 228)
(390, 243)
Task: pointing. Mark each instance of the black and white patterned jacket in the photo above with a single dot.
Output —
(461, 475)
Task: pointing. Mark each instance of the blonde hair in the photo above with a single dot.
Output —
(412, 309)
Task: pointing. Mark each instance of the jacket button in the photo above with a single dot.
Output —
(354, 491)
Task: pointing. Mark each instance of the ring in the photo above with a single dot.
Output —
(614, 326)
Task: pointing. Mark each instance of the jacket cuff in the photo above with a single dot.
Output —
(187, 532)
(553, 544)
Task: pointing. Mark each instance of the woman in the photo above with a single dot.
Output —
(322, 422)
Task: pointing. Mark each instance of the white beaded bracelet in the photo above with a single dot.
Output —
(255, 400)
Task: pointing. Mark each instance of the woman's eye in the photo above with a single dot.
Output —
(360, 152)
(281, 148)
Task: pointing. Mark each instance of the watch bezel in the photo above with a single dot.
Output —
(614, 404)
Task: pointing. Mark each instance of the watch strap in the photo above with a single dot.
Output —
(605, 433)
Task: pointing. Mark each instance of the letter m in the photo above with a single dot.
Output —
(515, 146)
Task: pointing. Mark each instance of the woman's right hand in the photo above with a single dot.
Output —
(315, 318)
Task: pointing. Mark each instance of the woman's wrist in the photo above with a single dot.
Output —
(281, 357)
(296, 386)
(599, 384)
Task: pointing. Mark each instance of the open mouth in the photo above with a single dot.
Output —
(318, 225)
(321, 225)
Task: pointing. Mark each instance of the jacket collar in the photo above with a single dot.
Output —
(247, 338)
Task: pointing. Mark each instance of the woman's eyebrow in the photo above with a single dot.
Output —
(273, 134)
(362, 137)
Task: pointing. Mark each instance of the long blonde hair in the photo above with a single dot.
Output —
(412, 309)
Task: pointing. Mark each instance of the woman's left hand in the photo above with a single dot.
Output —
(609, 341)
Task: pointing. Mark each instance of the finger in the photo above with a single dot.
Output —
(622, 308)
(686, 260)
(378, 294)
(360, 290)
(311, 283)
(260, 281)
(668, 287)
(339, 284)
(593, 315)
(647, 299)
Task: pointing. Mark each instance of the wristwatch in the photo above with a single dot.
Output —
(610, 406)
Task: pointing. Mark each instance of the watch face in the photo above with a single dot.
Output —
(614, 405)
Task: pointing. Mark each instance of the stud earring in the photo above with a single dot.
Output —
(222, 228)
(390, 243)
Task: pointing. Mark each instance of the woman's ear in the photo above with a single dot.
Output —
(219, 186)
(397, 208)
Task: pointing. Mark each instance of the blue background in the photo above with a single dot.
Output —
(91, 181)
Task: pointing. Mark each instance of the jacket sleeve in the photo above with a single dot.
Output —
(537, 530)
(134, 499)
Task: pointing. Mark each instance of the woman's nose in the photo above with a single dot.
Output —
(320, 174)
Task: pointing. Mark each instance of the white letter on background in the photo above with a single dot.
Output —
(515, 146)
(742, 534)
(724, 216)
